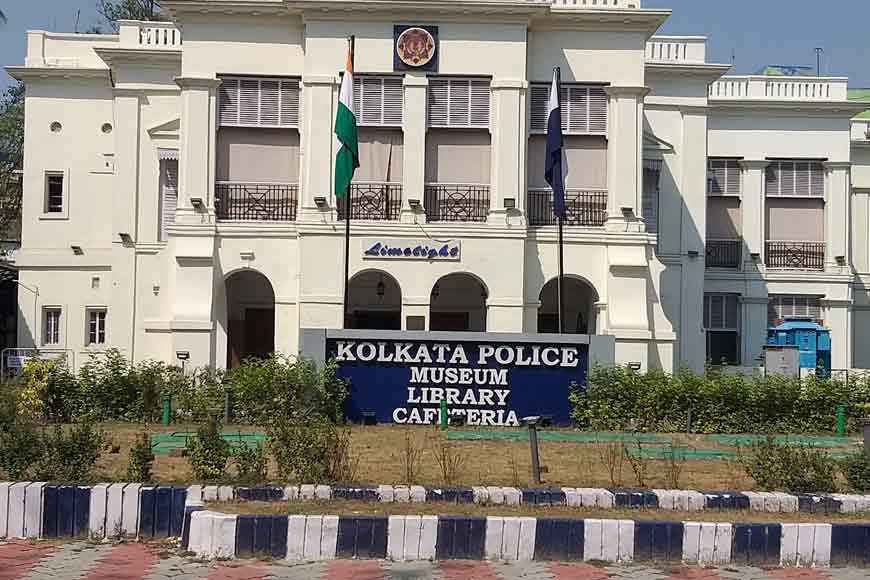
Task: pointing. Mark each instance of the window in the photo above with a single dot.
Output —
(652, 169)
(258, 102)
(51, 326)
(584, 109)
(168, 192)
(723, 176)
(378, 100)
(459, 102)
(722, 323)
(96, 331)
(795, 178)
(54, 193)
(779, 306)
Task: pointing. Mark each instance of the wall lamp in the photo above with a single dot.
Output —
(627, 211)
(510, 203)
(77, 250)
(414, 204)
(841, 260)
(197, 203)
(320, 202)
(126, 238)
(693, 253)
(755, 256)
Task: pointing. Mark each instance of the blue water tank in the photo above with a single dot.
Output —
(812, 339)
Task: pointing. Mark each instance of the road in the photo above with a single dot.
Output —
(82, 561)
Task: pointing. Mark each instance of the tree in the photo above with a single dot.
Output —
(115, 10)
(11, 158)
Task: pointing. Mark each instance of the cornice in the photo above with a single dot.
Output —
(22, 73)
(140, 57)
(197, 82)
(706, 72)
(788, 108)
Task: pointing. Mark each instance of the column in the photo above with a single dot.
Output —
(414, 158)
(624, 158)
(415, 306)
(837, 315)
(837, 216)
(318, 98)
(753, 212)
(753, 324)
(196, 155)
(509, 146)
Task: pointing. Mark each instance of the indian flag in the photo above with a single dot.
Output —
(346, 141)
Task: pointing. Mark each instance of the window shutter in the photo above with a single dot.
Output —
(597, 110)
(539, 95)
(723, 177)
(459, 103)
(255, 102)
(394, 101)
(717, 311)
(771, 179)
(584, 109)
(731, 312)
(721, 312)
(817, 180)
(796, 178)
(169, 195)
(377, 101)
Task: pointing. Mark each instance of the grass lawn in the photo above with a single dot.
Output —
(571, 460)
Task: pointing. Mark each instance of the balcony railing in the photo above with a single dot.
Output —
(453, 202)
(149, 35)
(723, 253)
(373, 201)
(767, 88)
(676, 49)
(236, 201)
(796, 255)
(584, 207)
(593, 4)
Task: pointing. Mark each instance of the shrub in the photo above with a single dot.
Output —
(198, 396)
(69, 454)
(141, 459)
(856, 468)
(47, 389)
(312, 451)
(208, 452)
(251, 463)
(791, 468)
(20, 449)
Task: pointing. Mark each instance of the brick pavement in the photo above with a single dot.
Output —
(82, 561)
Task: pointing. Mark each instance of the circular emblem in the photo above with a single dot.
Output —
(416, 47)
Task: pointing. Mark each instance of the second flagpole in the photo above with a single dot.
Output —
(347, 206)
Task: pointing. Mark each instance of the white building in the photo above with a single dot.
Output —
(178, 196)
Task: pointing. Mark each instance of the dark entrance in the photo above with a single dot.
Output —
(251, 317)
(458, 304)
(374, 302)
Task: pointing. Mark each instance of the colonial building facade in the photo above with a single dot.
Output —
(178, 183)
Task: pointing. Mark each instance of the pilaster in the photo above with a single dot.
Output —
(509, 150)
(196, 154)
(837, 215)
(624, 158)
(753, 211)
(318, 95)
(414, 158)
(753, 325)
(837, 315)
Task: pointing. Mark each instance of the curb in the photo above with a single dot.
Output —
(512, 539)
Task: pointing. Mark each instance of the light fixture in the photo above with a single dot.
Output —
(320, 202)
(755, 256)
(381, 288)
(414, 204)
(693, 253)
(77, 250)
(196, 202)
(436, 290)
(182, 355)
(841, 260)
(627, 211)
(635, 366)
(510, 203)
(125, 238)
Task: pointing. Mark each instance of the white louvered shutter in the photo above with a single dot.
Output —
(723, 177)
(539, 95)
(597, 110)
(461, 103)
(796, 178)
(168, 195)
(258, 102)
(584, 109)
(378, 101)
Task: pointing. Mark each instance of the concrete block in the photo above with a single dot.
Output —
(666, 498)
(428, 537)
(130, 509)
(496, 495)
(4, 508)
(15, 519)
(863, 502)
(822, 546)
(385, 494)
(510, 542)
(707, 544)
(115, 510)
(626, 541)
(756, 501)
(401, 494)
(610, 540)
(805, 544)
(329, 538)
(224, 536)
(313, 531)
(194, 494)
(480, 495)
(323, 493)
(290, 493)
(199, 542)
(411, 542)
(605, 499)
(296, 537)
(226, 493)
(97, 515)
(210, 493)
(695, 501)
(396, 538)
(788, 503)
(307, 491)
(572, 497)
(494, 538)
(724, 537)
(33, 510)
(691, 542)
(526, 551)
(512, 496)
(418, 494)
(593, 536)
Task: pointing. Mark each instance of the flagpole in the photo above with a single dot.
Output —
(561, 282)
(352, 42)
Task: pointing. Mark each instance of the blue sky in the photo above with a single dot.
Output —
(754, 32)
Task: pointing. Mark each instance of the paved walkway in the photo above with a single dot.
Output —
(81, 561)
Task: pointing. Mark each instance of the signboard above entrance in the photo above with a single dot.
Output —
(430, 250)
(485, 379)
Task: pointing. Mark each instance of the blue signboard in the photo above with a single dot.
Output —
(404, 378)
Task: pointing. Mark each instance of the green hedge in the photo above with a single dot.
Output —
(617, 398)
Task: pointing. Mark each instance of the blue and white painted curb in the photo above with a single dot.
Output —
(407, 538)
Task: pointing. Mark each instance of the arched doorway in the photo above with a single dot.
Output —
(458, 303)
(250, 317)
(580, 299)
(374, 302)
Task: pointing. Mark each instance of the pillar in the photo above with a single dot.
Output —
(837, 216)
(505, 314)
(197, 149)
(837, 315)
(753, 212)
(624, 158)
(509, 148)
(415, 306)
(753, 324)
(414, 158)
(318, 97)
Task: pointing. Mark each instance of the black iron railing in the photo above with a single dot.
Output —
(446, 202)
(796, 255)
(256, 201)
(373, 201)
(584, 207)
(723, 253)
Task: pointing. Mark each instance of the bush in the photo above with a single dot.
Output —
(69, 454)
(791, 468)
(47, 389)
(251, 463)
(856, 468)
(141, 459)
(20, 449)
(312, 451)
(208, 452)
